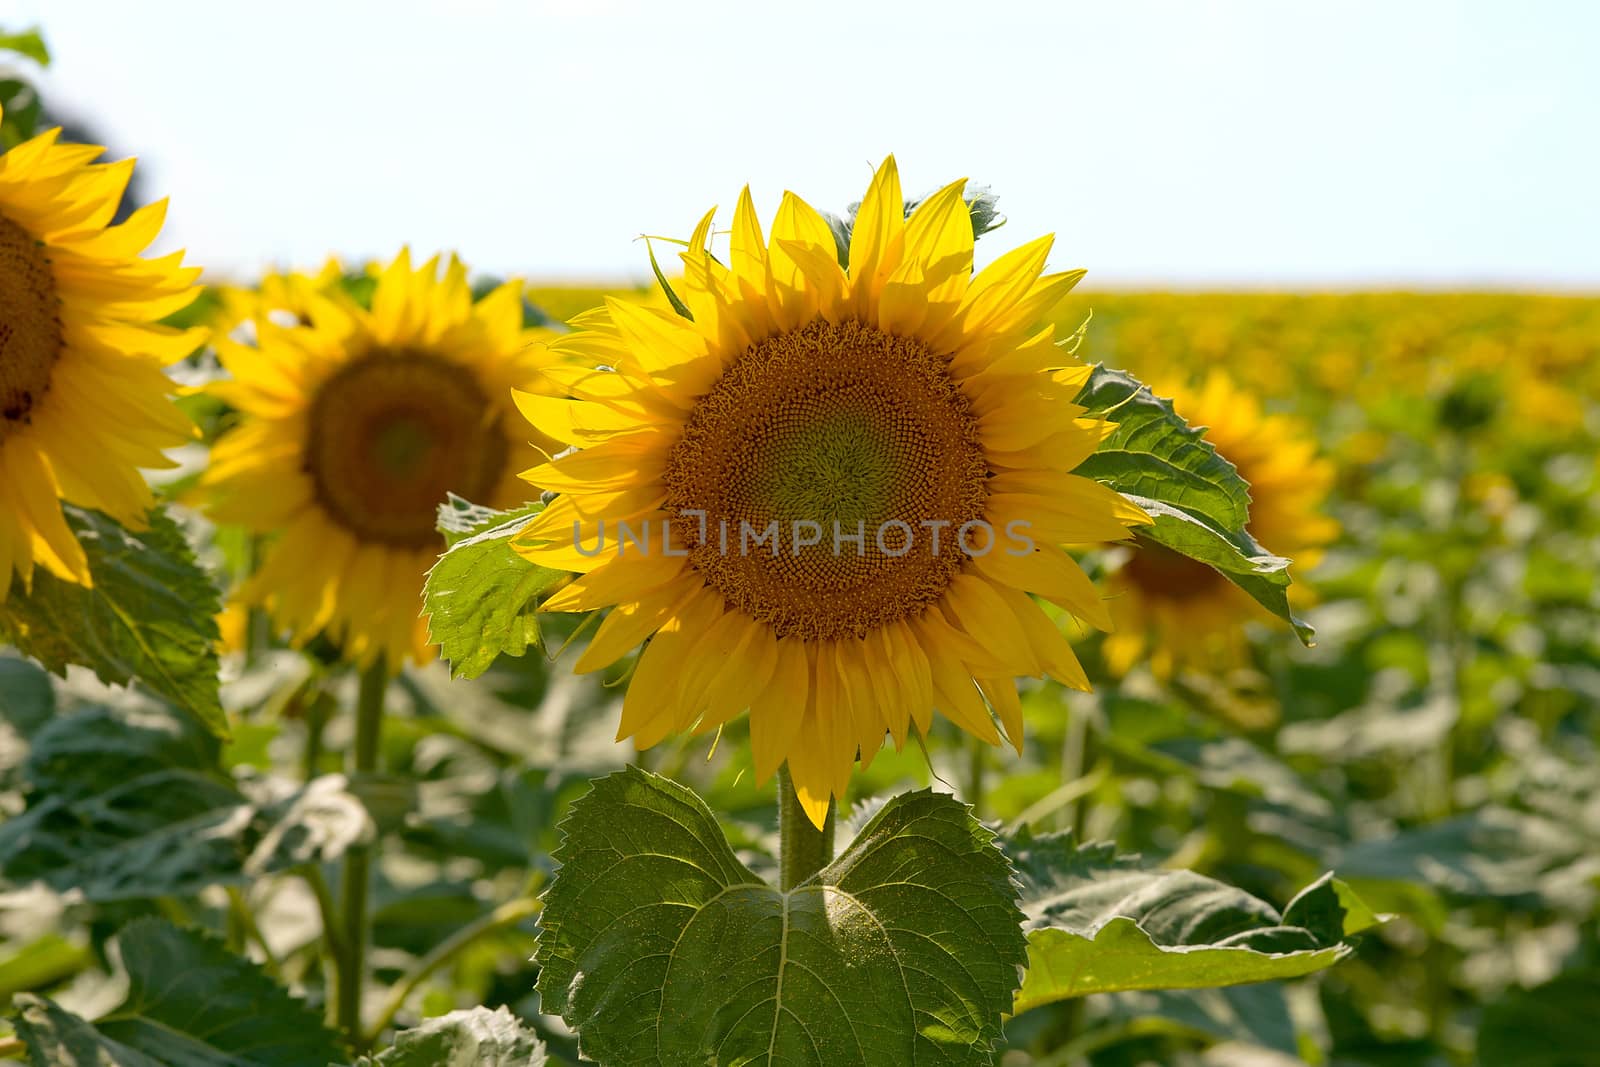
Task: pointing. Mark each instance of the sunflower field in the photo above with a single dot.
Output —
(831, 654)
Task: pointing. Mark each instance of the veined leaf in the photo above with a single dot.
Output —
(474, 1038)
(1198, 501)
(1098, 923)
(480, 596)
(151, 614)
(659, 947)
(190, 1003)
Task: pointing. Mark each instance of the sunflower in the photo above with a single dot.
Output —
(283, 295)
(355, 426)
(1175, 612)
(840, 484)
(84, 403)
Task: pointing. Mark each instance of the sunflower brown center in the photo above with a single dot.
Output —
(1160, 572)
(839, 435)
(30, 325)
(391, 434)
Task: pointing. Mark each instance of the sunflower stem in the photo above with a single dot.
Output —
(803, 850)
(977, 755)
(356, 887)
(508, 914)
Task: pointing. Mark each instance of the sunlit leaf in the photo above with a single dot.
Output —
(150, 616)
(477, 1037)
(1098, 923)
(660, 947)
(1198, 501)
(480, 596)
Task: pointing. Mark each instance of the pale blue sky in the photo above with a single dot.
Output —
(1262, 143)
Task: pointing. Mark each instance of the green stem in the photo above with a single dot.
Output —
(356, 887)
(977, 755)
(1074, 766)
(507, 914)
(316, 720)
(803, 850)
(240, 914)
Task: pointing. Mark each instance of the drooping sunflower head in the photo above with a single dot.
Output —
(355, 425)
(84, 402)
(827, 491)
(1175, 612)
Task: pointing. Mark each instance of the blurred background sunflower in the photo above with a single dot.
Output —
(1172, 613)
(355, 424)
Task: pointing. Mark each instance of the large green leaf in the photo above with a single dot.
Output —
(1199, 504)
(480, 596)
(1100, 923)
(659, 947)
(474, 1038)
(190, 1003)
(151, 614)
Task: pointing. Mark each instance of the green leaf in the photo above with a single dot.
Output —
(151, 614)
(22, 109)
(480, 596)
(173, 834)
(1098, 923)
(1252, 1015)
(97, 748)
(659, 947)
(130, 803)
(1198, 501)
(460, 518)
(1551, 1025)
(1492, 852)
(28, 43)
(237, 844)
(190, 1004)
(474, 1038)
(27, 700)
(982, 207)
